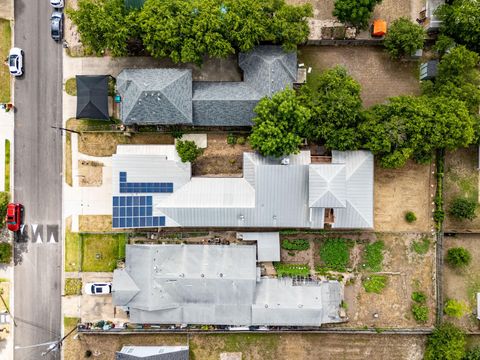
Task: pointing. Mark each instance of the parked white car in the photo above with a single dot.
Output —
(98, 288)
(15, 61)
(57, 4)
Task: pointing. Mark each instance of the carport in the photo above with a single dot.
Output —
(92, 97)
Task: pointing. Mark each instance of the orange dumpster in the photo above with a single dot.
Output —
(379, 28)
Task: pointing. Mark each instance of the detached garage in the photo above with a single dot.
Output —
(92, 97)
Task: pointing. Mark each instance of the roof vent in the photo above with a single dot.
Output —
(221, 275)
(266, 306)
(285, 161)
(202, 275)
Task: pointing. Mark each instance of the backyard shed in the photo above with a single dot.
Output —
(92, 97)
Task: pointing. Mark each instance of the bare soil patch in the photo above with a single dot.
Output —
(461, 180)
(105, 143)
(261, 346)
(220, 158)
(379, 76)
(463, 284)
(406, 271)
(90, 173)
(95, 223)
(397, 191)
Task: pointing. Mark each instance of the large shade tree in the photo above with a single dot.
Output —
(413, 127)
(334, 100)
(461, 21)
(105, 25)
(278, 124)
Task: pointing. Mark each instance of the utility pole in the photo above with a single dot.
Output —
(6, 307)
(56, 345)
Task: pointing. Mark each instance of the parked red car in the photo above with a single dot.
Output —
(14, 216)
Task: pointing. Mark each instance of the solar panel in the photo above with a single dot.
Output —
(134, 212)
(140, 187)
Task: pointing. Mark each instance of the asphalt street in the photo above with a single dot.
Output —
(38, 182)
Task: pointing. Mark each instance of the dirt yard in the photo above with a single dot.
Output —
(261, 346)
(379, 76)
(90, 173)
(105, 144)
(220, 158)
(464, 284)
(397, 191)
(461, 179)
(95, 223)
(406, 271)
(388, 10)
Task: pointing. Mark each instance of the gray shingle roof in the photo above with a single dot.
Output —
(162, 96)
(155, 96)
(217, 284)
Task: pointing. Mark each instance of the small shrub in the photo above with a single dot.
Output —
(5, 253)
(177, 132)
(375, 283)
(410, 217)
(241, 140)
(420, 313)
(421, 247)
(438, 215)
(188, 150)
(447, 342)
(335, 254)
(472, 354)
(374, 256)
(231, 139)
(463, 209)
(296, 244)
(291, 253)
(458, 257)
(291, 269)
(419, 297)
(455, 308)
(403, 38)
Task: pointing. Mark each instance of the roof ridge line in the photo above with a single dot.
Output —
(187, 116)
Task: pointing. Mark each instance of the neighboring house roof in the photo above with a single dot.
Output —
(217, 284)
(92, 97)
(268, 195)
(268, 244)
(153, 353)
(155, 96)
(167, 96)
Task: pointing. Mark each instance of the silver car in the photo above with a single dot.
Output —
(15, 61)
(56, 25)
(57, 4)
(98, 288)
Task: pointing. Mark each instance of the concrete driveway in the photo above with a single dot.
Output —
(92, 308)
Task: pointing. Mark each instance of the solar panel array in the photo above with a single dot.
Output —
(141, 187)
(135, 212)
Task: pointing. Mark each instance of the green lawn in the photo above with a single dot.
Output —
(70, 322)
(101, 251)
(7, 165)
(73, 251)
(73, 286)
(5, 44)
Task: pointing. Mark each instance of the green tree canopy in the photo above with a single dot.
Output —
(334, 100)
(403, 38)
(105, 25)
(356, 12)
(458, 77)
(413, 127)
(447, 342)
(188, 150)
(461, 21)
(189, 30)
(278, 123)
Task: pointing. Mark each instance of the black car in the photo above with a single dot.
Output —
(57, 25)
